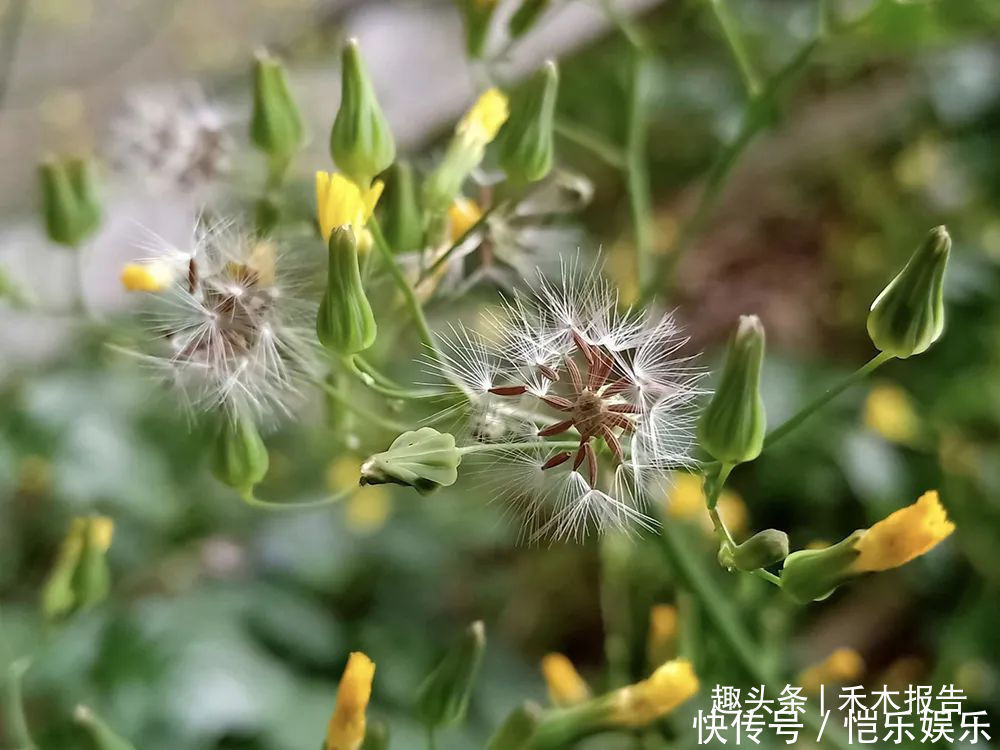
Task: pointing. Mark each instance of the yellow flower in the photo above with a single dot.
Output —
(903, 535)
(481, 123)
(888, 412)
(340, 202)
(347, 725)
(463, 214)
(343, 473)
(666, 689)
(102, 529)
(842, 666)
(566, 686)
(686, 500)
(147, 277)
(368, 511)
(662, 632)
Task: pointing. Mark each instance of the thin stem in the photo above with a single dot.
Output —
(526, 446)
(737, 45)
(372, 383)
(369, 369)
(823, 399)
(636, 175)
(443, 258)
(766, 575)
(591, 141)
(252, 500)
(431, 739)
(615, 614)
(351, 405)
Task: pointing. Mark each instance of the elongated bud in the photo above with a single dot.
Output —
(101, 736)
(239, 457)
(424, 459)
(517, 728)
(566, 686)
(526, 141)
(345, 323)
(80, 577)
(276, 123)
(361, 141)
(69, 200)
(476, 15)
(443, 696)
(908, 316)
(376, 736)
(401, 220)
(348, 724)
(732, 427)
(526, 15)
(813, 574)
(764, 548)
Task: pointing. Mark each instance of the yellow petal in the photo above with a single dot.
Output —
(146, 277)
(667, 688)
(347, 725)
(566, 686)
(842, 666)
(481, 123)
(904, 535)
(463, 214)
(340, 202)
(102, 529)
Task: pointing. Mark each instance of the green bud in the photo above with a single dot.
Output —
(239, 456)
(402, 224)
(526, 143)
(91, 579)
(764, 548)
(361, 141)
(276, 124)
(345, 323)
(70, 206)
(476, 14)
(100, 734)
(525, 16)
(376, 736)
(732, 427)
(517, 728)
(80, 577)
(811, 575)
(908, 316)
(444, 695)
(424, 459)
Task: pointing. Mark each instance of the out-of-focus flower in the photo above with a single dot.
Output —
(340, 202)
(662, 638)
(346, 730)
(80, 577)
(566, 686)
(685, 499)
(668, 687)
(151, 276)
(463, 213)
(890, 413)
(843, 665)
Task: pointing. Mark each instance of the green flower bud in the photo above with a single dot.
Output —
(239, 457)
(908, 316)
(70, 206)
(444, 695)
(424, 459)
(811, 575)
(80, 577)
(526, 142)
(525, 16)
(376, 736)
(732, 427)
(402, 224)
(92, 579)
(764, 548)
(516, 729)
(345, 323)
(276, 124)
(476, 14)
(361, 141)
(100, 734)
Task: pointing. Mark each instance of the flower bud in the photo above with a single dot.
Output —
(444, 695)
(813, 574)
(69, 200)
(276, 124)
(100, 734)
(424, 459)
(239, 457)
(661, 643)
(348, 724)
(526, 142)
(401, 221)
(764, 548)
(732, 427)
(516, 729)
(80, 576)
(908, 316)
(376, 736)
(525, 16)
(361, 141)
(566, 686)
(476, 14)
(345, 323)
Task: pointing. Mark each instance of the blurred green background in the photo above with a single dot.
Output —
(228, 626)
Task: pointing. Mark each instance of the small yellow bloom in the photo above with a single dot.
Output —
(343, 473)
(646, 701)
(566, 686)
(368, 511)
(903, 535)
(686, 500)
(463, 214)
(662, 632)
(102, 529)
(347, 725)
(888, 412)
(147, 277)
(842, 666)
(340, 202)
(482, 123)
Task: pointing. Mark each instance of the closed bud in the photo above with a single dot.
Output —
(99, 734)
(401, 220)
(361, 141)
(80, 577)
(908, 316)
(424, 459)
(764, 548)
(476, 15)
(345, 323)
(516, 729)
(69, 200)
(526, 15)
(812, 574)
(732, 427)
(239, 457)
(443, 696)
(526, 141)
(376, 736)
(276, 123)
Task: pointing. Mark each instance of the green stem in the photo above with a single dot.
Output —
(818, 403)
(615, 610)
(431, 739)
(766, 575)
(374, 384)
(253, 501)
(369, 369)
(636, 175)
(737, 45)
(595, 143)
(351, 405)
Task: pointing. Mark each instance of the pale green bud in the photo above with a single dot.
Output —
(443, 696)
(517, 728)
(402, 224)
(764, 548)
(811, 575)
(732, 427)
(100, 734)
(276, 123)
(526, 141)
(80, 577)
(476, 15)
(239, 457)
(345, 323)
(361, 141)
(70, 206)
(526, 15)
(908, 316)
(424, 459)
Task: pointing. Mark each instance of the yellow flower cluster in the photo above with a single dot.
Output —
(340, 202)
(903, 535)
(348, 723)
(667, 688)
(566, 686)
